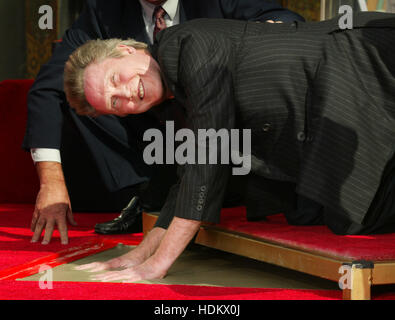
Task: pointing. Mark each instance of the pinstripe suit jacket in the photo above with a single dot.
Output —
(320, 102)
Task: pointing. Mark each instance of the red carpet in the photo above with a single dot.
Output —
(22, 290)
(16, 249)
(316, 238)
(15, 235)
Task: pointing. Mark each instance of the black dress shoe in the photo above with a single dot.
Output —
(129, 221)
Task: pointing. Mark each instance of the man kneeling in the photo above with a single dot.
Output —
(311, 133)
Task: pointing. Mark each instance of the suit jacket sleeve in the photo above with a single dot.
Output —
(46, 96)
(205, 75)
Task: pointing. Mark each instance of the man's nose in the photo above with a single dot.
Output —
(124, 91)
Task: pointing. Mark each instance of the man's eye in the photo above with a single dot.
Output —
(114, 103)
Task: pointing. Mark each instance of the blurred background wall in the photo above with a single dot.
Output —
(25, 47)
(38, 41)
(12, 35)
(309, 9)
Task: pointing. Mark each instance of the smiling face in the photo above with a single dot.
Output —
(128, 85)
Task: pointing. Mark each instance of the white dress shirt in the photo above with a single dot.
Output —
(172, 17)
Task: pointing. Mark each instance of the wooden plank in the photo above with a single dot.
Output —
(149, 220)
(383, 272)
(267, 252)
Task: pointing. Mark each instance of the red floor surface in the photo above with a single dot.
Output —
(22, 290)
(15, 235)
(16, 250)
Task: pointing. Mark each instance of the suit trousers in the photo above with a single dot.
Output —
(103, 173)
(87, 189)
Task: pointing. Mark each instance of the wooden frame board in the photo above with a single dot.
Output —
(355, 278)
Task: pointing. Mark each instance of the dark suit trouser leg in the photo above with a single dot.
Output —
(264, 197)
(381, 215)
(153, 194)
(88, 189)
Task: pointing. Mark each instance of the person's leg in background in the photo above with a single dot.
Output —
(87, 189)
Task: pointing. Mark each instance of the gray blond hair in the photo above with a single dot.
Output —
(93, 51)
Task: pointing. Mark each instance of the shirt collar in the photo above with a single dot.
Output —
(170, 6)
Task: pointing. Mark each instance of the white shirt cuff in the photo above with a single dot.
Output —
(42, 154)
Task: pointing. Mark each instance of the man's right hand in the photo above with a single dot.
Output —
(52, 204)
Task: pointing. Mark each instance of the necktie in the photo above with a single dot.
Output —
(160, 23)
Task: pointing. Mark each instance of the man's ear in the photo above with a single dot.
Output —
(126, 49)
